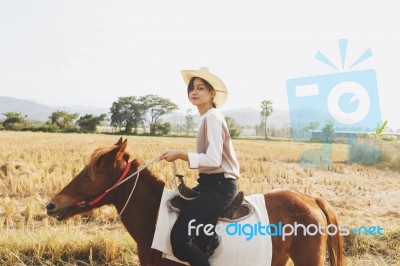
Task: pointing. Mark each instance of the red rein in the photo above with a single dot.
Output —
(92, 201)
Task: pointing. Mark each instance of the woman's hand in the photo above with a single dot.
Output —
(171, 156)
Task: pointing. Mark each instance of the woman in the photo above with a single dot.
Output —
(215, 158)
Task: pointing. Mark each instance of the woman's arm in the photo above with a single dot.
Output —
(171, 156)
(212, 158)
(214, 135)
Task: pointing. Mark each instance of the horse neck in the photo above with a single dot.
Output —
(140, 214)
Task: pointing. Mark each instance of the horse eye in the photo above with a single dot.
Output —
(88, 176)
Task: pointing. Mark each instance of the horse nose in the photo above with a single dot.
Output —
(50, 206)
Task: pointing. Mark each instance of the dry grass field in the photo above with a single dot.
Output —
(35, 166)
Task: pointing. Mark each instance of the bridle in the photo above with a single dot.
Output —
(95, 199)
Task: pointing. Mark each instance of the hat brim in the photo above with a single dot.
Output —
(221, 92)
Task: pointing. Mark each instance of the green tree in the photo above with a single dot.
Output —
(189, 121)
(313, 125)
(127, 112)
(266, 110)
(328, 131)
(14, 121)
(161, 128)
(62, 119)
(88, 123)
(156, 106)
(233, 126)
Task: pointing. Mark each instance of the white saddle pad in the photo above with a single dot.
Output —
(236, 248)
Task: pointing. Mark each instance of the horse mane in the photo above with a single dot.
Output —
(98, 154)
(151, 179)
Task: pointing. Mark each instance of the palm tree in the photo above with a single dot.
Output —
(266, 110)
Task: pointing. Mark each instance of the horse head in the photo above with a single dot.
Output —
(89, 188)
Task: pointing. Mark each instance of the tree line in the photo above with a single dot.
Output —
(128, 115)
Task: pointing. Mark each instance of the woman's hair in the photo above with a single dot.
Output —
(208, 86)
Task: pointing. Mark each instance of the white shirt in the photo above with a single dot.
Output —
(215, 153)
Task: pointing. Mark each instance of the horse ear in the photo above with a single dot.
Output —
(119, 142)
(118, 152)
(123, 146)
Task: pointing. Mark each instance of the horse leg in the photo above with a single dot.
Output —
(310, 251)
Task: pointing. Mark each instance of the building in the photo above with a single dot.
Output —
(110, 129)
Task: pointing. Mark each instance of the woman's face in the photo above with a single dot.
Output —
(200, 95)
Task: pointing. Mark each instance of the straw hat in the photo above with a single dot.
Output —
(221, 92)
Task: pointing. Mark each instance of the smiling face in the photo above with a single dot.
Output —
(201, 93)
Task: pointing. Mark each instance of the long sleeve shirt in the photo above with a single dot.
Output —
(215, 153)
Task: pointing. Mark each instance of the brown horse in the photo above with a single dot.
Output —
(97, 185)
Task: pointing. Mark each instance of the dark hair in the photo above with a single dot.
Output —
(206, 83)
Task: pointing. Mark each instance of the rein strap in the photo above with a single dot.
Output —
(93, 201)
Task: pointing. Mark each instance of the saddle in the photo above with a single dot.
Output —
(238, 210)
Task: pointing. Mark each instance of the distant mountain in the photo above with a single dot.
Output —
(41, 112)
(34, 111)
(83, 110)
(251, 116)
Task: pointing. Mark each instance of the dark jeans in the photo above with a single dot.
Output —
(215, 193)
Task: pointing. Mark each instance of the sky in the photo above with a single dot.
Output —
(92, 52)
